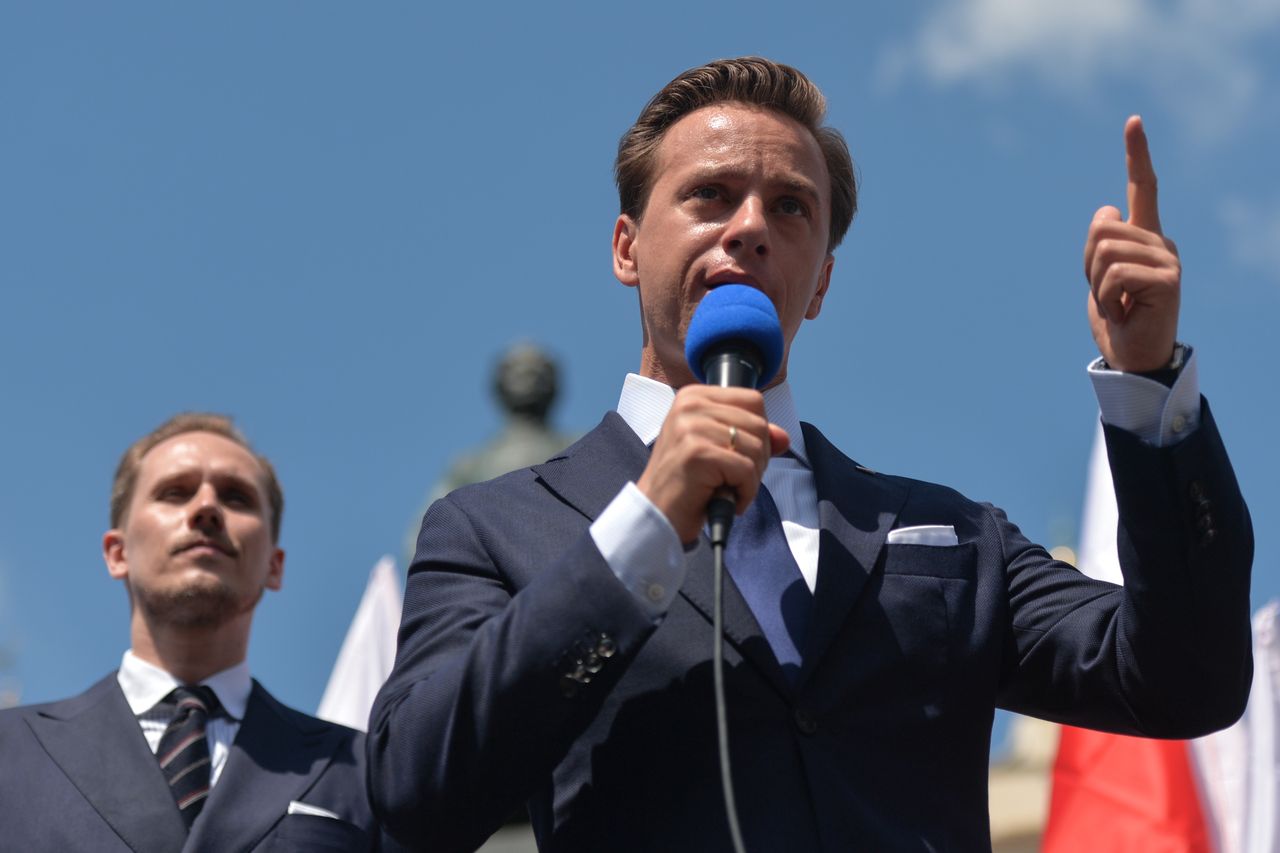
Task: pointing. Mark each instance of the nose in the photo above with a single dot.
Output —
(748, 228)
(206, 513)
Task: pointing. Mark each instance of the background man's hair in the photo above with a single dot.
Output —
(747, 80)
(127, 471)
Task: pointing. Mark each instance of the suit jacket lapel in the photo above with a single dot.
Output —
(96, 740)
(856, 510)
(590, 474)
(276, 757)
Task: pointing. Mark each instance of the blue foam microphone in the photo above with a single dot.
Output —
(734, 340)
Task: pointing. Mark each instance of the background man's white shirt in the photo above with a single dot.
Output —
(145, 685)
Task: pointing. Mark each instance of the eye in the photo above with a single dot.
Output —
(707, 193)
(790, 206)
(238, 498)
(173, 494)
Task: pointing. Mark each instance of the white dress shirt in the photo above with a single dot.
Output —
(643, 550)
(145, 685)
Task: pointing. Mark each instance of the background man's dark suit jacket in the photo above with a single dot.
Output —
(884, 743)
(78, 775)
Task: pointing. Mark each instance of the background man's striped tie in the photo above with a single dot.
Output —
(184, 749)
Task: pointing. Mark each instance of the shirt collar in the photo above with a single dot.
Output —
(645, 402)
(145, 684)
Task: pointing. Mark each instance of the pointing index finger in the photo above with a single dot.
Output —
(1143, 209)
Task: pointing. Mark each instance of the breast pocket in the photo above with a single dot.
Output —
(304, 832)
(912, 618)
(934, 561)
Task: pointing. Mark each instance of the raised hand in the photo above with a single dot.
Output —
(1135, 277)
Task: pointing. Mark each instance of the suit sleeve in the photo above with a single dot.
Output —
(491, 686)
(1168, 654)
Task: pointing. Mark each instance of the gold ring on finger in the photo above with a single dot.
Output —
(733, 438)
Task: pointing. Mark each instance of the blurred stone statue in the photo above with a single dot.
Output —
(525, 384)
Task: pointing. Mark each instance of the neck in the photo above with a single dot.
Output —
(526, 421)
(190, 654)
(651, 367)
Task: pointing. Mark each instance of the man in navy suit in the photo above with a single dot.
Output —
(556, 640)
(195, 521)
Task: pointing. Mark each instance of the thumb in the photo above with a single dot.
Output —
(779, 441)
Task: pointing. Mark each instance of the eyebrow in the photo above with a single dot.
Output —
(804, 188)
(221, 479)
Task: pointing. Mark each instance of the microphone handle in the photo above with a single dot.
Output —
(732, 367)
(728, 366)
(720, 513)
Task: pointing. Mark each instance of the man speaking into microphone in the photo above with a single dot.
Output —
(556, 644)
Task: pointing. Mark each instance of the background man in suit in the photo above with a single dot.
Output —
(556, 636)
(180, 749)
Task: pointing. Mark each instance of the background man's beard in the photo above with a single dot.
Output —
(195, 606)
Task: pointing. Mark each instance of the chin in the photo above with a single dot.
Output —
(203, 602)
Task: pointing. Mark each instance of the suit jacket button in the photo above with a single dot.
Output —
(805, 722)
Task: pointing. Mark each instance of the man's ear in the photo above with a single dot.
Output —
(113, 554)
(625, 231)
(824, 281)
(275, 573)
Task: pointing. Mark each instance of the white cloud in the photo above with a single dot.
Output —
(1200, 58)
(1253, 234)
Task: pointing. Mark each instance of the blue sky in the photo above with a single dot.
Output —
(329, 220)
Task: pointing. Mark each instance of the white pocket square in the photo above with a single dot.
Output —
(298, 807)
(924, 534)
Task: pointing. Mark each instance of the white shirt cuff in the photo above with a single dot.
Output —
(642, 548)
(1159, 415)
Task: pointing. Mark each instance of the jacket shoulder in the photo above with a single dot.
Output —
(301, 720)
(70, 706)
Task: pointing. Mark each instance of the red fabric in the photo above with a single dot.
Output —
(1115, 794)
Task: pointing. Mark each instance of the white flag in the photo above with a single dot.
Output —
(1098, 558)
(368, 652)
(1239, 767)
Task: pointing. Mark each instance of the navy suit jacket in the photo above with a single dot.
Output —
(78, 775)
(527, 672)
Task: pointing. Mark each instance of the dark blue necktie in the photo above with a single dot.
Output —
(761, 565)
(184, 750)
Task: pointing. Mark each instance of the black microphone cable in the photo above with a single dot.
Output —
(719, 519)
